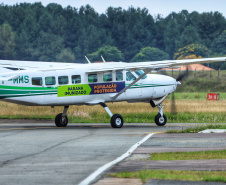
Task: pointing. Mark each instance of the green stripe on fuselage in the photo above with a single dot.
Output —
(16, 91)
(147, 85)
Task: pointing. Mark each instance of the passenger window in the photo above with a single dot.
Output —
(37, 81)
(119, 76)
(107, 77)
(76, 79)
(50, 80)
(130, 76)
(63, 80)
(92, 78)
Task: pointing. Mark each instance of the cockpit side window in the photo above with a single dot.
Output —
(139, 73)
(130, 76)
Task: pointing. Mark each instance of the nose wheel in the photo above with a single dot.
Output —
(160, 118)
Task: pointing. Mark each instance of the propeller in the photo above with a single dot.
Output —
(183, 75)
(173, 105)
(180, 77)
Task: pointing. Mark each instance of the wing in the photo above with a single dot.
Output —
(151, 64)
(9, 65)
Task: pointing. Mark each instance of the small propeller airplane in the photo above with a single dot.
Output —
(64, 84)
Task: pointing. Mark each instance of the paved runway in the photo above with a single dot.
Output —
(40, 153)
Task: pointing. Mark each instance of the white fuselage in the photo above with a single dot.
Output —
(74, 86)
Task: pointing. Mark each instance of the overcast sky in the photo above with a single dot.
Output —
(163, 7)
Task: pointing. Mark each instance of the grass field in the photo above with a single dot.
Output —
(220, 154)
(189, 110)
(212, 176)
(144, 175)
(201, 82)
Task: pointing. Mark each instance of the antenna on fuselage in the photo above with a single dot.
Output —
(103, 59)
(87, 60)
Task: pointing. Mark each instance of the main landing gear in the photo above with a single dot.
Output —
(160, 118)
(116, 119)
(61, 119)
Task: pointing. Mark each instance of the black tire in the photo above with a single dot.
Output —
(117, 121)
(60, 122)
(160, 121)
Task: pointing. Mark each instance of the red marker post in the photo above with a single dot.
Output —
(213, 96)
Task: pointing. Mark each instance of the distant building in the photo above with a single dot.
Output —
(193, 67)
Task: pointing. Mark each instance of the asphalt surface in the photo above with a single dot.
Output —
(174, 143)
(40, 153)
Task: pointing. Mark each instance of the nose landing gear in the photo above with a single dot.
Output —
(160, 118)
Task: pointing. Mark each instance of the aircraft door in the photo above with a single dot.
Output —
(50, 84)
(135, 91)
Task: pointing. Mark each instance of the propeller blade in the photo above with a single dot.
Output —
(183, 75)
(173, 105)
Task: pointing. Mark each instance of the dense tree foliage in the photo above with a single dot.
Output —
(7, 42)
(219, 44)
(110, 53)
(54, 33)
(150, 54)
(191, 51)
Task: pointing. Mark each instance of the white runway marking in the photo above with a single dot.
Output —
(213, 131)
(100, 170)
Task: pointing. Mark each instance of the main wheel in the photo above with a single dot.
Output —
(61, 121)
(160, 121)
(117, 121)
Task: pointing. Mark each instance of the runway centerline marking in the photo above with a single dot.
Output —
(100, 170)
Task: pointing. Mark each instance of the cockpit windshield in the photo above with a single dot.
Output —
(140, 72)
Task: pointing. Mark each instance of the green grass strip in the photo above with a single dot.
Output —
(144, 175)
(201, 117)
(195, 95)
(197, 129)
(97, 117)
(218, 154)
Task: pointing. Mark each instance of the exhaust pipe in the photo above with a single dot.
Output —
(158, 101)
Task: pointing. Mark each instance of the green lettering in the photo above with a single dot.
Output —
(26, 79)
(21, 79)
(15, 81)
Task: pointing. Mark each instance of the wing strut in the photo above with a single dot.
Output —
(135, 81)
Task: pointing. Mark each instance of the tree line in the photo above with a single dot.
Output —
(52, 33)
